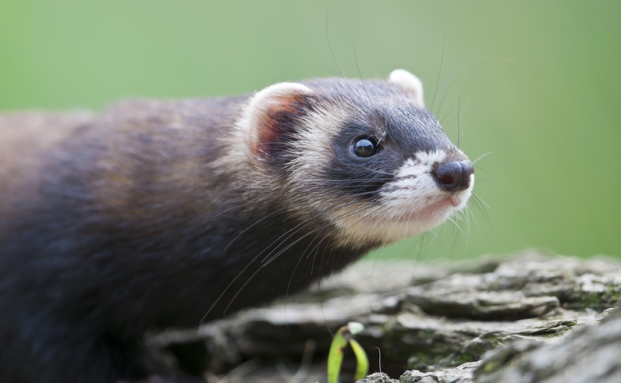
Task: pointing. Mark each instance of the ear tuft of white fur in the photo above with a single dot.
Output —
(408, 82)
(271, 96)
(274, 97)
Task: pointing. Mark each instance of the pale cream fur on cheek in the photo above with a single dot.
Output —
(414, 188)
(393, 217)
(314, 146)
(403, 208)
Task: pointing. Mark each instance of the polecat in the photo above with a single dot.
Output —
(165, 213)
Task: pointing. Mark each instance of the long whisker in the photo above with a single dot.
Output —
(435, 92)
(461, 68)
(266, 261)
(320, 279)
(291, 279)
(257, 271)
(358, 68)
(236, 278)
(481, 157)
(314, 249)
(459, 113)
(328, 38)
(271, 259)
(251, 226)
(446, 115)
(477, 179)
(481, 205)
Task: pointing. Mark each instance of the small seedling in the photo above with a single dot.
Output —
(335, 358)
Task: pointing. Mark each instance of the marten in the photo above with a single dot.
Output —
(155, 214)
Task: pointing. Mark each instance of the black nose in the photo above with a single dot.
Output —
(453, 176)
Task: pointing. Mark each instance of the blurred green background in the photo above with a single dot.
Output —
(537, 85)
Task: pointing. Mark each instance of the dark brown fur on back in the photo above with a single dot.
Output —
(119, 223)
(166, 213)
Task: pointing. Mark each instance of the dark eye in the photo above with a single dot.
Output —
(364, 147)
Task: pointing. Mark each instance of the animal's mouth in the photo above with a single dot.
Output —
(435, 211)
(403, 219)
(455, 201)
(442, 208)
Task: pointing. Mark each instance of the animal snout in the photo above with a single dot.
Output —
(454, 175)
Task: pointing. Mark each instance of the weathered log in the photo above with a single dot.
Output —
(490, 321)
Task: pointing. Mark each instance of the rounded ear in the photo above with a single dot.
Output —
(271, 116)
(409, 83)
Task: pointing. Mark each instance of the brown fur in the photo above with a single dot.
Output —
(25, 140)
(166, 213)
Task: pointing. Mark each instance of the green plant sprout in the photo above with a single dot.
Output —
(335, 358)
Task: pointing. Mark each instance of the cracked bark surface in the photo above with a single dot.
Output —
(530, 317)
